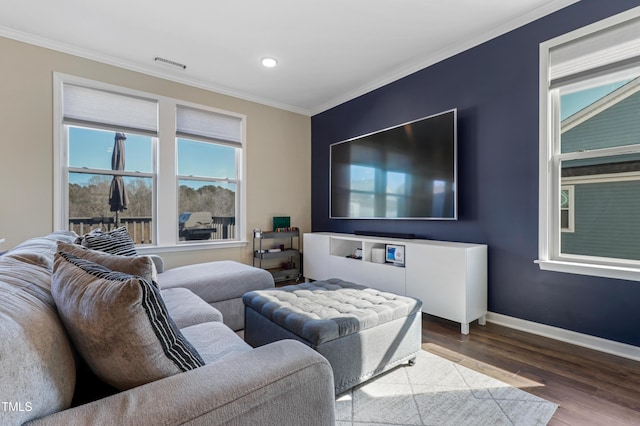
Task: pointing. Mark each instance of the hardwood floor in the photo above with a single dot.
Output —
(590, 387)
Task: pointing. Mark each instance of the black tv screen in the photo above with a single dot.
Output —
(403, 172)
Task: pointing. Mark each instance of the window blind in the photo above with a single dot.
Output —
(208, 125)
(611, 49)
(94, 107)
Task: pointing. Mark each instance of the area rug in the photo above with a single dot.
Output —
(436, 391)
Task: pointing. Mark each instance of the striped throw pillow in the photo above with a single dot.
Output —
(119, 324)
(116, 241)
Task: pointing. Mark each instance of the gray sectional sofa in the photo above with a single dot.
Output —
(221, 284)
(51, 358)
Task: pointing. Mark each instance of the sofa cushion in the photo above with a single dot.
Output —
(119, 324)
(40, 250)
(186, 309)
(215, 281)
(37, 367)
(215, 341)
(116, 241)
(142, 266)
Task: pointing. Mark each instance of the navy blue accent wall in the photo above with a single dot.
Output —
(495, 88)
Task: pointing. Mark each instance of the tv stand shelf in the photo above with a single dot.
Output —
(449, 277)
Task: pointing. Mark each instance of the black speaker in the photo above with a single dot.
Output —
(403, 235)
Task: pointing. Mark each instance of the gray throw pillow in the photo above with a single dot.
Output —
(116, 241)
(142, 266)
(119, 324)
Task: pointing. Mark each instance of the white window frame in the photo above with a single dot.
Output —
(165, 199)
(549, 235)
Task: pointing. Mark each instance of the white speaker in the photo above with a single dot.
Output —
(377, 255)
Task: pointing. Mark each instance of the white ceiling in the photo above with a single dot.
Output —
(329, 51)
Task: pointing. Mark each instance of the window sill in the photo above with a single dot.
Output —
(149, 249)
(606, 271)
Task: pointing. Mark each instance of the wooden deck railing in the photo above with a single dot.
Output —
(139, 228)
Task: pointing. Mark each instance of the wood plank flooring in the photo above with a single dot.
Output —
(590, 387)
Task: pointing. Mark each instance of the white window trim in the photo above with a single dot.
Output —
(165, 203)
(549, 181)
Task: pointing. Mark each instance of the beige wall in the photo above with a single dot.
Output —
(278, 150)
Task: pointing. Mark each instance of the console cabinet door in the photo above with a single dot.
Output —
(437, 276)
(450, 280)
(346, 269)
(384, 277)
(316, 256)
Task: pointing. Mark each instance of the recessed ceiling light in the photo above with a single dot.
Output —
(269, 62)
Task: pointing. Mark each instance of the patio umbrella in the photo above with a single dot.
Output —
(118, 198)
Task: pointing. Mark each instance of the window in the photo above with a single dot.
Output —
(91, 178)
(114, 169)
(590, 150)
(209, 149)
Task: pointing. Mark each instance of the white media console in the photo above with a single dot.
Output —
(450, 278)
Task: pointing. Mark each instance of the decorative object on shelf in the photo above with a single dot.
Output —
(281, 222)
(287, 229)
(377, 255)
(395, 254)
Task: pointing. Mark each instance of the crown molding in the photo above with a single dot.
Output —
(547, 9)
(136, 67)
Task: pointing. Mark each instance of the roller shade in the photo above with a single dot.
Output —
(209, 125)
(611, 49)
(94, 107)
(607, 50)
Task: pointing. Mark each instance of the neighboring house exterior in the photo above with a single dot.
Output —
(600, 206)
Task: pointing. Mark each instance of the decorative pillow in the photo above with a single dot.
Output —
(142, 266)
(119, 324)
(116, 241)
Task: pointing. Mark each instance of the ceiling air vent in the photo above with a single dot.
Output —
(170, 62)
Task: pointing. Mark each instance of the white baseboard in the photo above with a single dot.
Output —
(603, 345)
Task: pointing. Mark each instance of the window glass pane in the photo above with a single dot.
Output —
(606, 220)
(207, 210)
(89, 205)
(600, 117)
(564, 219)
(206, 159)
(564, 199)
(92, 148)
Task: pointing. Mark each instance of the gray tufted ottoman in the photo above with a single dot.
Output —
(361, 331)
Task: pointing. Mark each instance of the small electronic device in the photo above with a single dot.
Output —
(394, 253)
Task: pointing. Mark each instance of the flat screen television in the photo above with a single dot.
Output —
(408, 171)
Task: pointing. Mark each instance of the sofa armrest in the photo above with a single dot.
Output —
(158, 262)
(282, 383)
